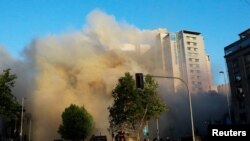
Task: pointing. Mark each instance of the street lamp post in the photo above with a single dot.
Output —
(190, 101)
(227, 91)
(139, 75)
(30, 130)
(157, 129)
(21, 126)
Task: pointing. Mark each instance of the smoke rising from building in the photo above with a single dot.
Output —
(80, 68)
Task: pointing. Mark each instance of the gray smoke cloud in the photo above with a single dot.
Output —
(208, 108)
(23, 70)
(82, 68)
(78, 67)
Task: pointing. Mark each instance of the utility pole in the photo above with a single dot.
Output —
(21, 126)
(157, 130)
(22, 115)
(30, 130)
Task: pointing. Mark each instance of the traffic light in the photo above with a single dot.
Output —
(139, 80)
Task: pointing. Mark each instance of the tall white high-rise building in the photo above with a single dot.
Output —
(182, 54)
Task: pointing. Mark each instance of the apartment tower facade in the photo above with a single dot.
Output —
(182, 54)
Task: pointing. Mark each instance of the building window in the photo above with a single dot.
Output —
(191, 54)
(237, 77)
(247, 59)
(240, 93)
(196, 60)
(190, 59)
(192, 43)
(194, 65)
(248, 72)
(191, 48)
(197, 65)
(240, 90)
(198, 71)
(199, 83)
(235, 64)
(191, 38)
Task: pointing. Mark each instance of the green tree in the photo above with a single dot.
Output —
(9, 107)
(77, 123)
(133, 106)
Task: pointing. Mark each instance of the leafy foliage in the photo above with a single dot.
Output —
(77, 123)
(130, 103)
(9, 106)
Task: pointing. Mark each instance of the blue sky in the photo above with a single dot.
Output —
(219, 21)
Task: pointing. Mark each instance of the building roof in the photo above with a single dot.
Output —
(245, 33)
(242, 43)
(191, 32)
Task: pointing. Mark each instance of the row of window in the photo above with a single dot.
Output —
(191, 38)
(237, 75)
(195, 71)
(192, 49)
(236, 68)
(196, 83)
(191, 43)
(236, 62)
(195, 77)
(191, 54)
(240, 93)
(194, 65)
(196, 88)
(193, 60)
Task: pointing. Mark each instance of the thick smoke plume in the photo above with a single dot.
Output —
(78, 67)
(81, 68)
(208, 108)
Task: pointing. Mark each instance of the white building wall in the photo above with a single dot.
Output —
(185, 57)
(182, 54)
(197, 70)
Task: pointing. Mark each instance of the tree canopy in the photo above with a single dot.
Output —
(9, 106)
(77, 123)
(134, 106)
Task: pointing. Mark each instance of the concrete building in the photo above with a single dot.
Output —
(182, 54)
(237, 57)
